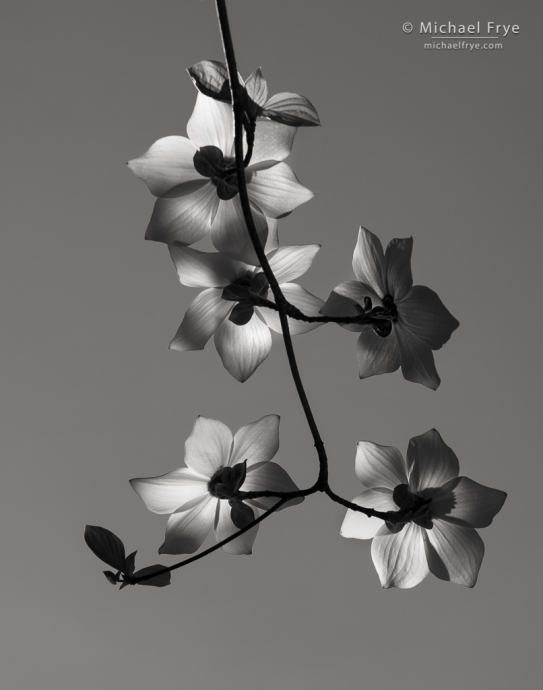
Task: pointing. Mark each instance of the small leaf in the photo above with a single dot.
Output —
(402, 497)
(209, 161)
(130, 563)
(260, 284)
(111, 577)
(257, 88)
(106, 545)
(236, 293)
(291, 109)
(241, 314)
(239, 474)
(424, 521)
(382, 328)
(221, 490)
(228, 478)
(241, 514)
(394, 526)
(211, 79)
(159, 581)
(227, 187)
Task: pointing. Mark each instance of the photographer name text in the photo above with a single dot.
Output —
(449, 29)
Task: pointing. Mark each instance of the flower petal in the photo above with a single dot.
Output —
(204, 269)
(257, 88)
(399, 279)
(224, 527)
(243, 348)
(168, 163)
(257, 442)
(202, 319)
(272, 243)
(338, 305)
(369, 261)
(229, 231)
(360, 526)
(424, 315)
(357, 291)
(454, 553)
(273, 142)
(400, 559)
(467, 503)
(276, 191)
(379, 466)
(167, 493)
(309, 304)
(208, 447)
(417, 360)
(212, 124)
(269, 476)
(290, 262)
(187, 530)
(376, 355)
(183, 220)
(430, 461)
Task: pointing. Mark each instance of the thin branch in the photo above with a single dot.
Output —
(362, 319)
(238, 101)
(215, 547)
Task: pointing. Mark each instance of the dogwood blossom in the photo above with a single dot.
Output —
(415, 320)
(195, 181)
(212, 79)
(242, 332)
(197, 497)
(441, 511)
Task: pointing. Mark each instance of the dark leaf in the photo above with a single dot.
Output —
(227, 188)
(291, 109)
(402, 497)
(211, 79)
(394, 526)
(209, 161)
(241, 314)
(424, 521)
(382, 328)
(111, 577)
(241, 514)
(260, 284)
(106, 545)
(236, 293)
(158, 581)
(257, 88)
(239, 474)
(222, 490)
(130, 563)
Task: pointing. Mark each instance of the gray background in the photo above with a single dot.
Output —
(444, 146)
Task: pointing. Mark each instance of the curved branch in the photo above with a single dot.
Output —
(215, 547)
(238, 103)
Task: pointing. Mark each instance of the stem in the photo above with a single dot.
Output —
(216, 546)
(366, 318)
(238, 102)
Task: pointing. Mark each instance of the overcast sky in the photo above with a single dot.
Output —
(441, 145)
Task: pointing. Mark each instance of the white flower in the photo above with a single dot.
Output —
(418, 322)
(196, 185)
(242, 346)
(189, 494)
(443, 508)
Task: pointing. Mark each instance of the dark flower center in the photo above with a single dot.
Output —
(386, 316)
(209, 161)
(226, 481)
(414, 508)
(245, 290)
